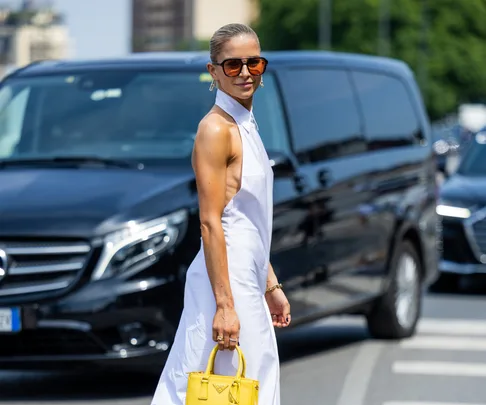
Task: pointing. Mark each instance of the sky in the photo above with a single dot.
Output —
(97, 28)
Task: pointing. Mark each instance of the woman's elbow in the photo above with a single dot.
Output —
(210, 224)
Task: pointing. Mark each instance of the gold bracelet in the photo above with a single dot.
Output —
(274, 287)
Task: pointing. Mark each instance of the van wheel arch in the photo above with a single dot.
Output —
(384, 318)
(407, 232)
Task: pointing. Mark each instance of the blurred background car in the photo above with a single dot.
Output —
(463, 217)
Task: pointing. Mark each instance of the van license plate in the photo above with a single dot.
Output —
(10, 320)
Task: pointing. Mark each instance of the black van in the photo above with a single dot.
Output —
(98, 202)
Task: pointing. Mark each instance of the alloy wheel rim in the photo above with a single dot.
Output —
(406, 303)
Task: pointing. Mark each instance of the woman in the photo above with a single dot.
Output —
(232, 295)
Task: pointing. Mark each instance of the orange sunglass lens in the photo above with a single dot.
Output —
(233, 67)
(256, 66)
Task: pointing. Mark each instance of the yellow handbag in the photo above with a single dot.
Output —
(212, 389)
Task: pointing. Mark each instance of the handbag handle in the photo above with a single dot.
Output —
(241, 363)
(234, 391)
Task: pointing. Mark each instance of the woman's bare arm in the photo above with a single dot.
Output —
(211, 154)
(271, 278)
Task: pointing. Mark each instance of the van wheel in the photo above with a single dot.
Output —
(396, 313)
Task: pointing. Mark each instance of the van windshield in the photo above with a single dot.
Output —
(135, 115)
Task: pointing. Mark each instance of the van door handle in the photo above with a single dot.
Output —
(324, 177)
(300, 182)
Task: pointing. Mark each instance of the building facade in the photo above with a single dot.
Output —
(166, 25)
(31, 35)
(160, 25)
(209, 15)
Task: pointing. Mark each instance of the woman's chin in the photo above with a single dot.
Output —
(244, 93)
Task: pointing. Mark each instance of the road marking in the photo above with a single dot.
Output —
(444, 343)
(427, 403)
(452, 327)
(440, 368)
(359, 375)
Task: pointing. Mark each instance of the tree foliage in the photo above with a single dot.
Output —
(443, 41)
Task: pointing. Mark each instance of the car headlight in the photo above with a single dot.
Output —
(139, 245)
(455, 209)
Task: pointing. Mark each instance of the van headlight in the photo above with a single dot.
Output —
(139, 245)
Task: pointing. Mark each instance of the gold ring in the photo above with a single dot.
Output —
(219, 338)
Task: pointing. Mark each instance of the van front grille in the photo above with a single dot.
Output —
(39, 266)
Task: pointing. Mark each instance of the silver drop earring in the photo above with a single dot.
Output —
(261, 83)
(212, 86)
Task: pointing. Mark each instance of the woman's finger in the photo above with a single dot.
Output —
(219, 338)
(226, 341)
(288, 318)
(233, 341)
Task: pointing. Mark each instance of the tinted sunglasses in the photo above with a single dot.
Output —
(232, 67)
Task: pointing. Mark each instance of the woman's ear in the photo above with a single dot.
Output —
(212, 71)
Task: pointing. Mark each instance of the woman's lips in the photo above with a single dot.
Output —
(245, 85)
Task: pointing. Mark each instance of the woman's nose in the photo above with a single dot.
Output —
(244, 71)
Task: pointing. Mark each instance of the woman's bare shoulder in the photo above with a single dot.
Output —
(214, 128)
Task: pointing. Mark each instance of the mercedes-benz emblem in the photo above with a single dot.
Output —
(3, 264)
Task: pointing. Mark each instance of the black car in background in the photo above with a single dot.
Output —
(98, 202)
(462, 209)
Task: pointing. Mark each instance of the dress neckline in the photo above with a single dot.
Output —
(240, 114)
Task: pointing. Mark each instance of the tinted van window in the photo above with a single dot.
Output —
(323, 114)
(268, 111)
(389, 116)
(11, 119)
(119, 114)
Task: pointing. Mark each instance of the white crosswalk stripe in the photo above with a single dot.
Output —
(443, 335)
(440, 368)
(445, 343)
(452, 327)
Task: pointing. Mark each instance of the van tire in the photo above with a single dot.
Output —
(389, 318)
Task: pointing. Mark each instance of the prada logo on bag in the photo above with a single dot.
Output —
(220, 387)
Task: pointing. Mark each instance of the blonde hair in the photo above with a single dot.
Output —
(224, 34)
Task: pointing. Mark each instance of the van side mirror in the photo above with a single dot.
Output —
(282, 164)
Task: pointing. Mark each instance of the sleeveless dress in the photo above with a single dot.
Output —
(247, 223)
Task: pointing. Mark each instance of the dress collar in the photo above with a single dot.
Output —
(239, 113)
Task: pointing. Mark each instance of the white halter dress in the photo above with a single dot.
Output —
(247, 223)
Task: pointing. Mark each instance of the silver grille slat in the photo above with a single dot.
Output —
(52, 268)
(51, 250)
(34, 288)
(42, 266)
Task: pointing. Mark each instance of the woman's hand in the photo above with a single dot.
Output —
(226, 328)
(279, 308)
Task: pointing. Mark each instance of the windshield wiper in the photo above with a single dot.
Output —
(76, 160)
